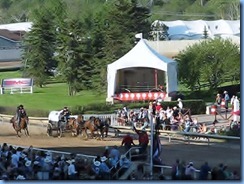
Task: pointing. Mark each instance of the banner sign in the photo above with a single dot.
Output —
(17, 82)
(140, 96)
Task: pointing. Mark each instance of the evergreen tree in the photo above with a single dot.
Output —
(74, 54)
(39, 47)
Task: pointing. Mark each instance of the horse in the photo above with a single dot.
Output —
(75, 125)
(23, 125)
(105, 127)
(93, 124)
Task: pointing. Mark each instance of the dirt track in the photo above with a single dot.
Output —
(218, 152)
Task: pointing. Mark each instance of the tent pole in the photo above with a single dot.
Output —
(156, 78)
(151, 146)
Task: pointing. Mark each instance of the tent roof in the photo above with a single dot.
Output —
(142, 55)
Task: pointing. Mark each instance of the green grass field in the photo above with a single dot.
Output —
(50, 97)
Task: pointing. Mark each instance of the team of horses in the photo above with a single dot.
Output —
(98, 128)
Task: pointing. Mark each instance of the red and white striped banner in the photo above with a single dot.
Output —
(140, 96)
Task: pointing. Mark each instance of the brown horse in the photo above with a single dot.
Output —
(93, 124)
(75, 125)
(23, 125)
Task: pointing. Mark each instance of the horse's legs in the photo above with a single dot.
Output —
(27, 132)
(17, 131)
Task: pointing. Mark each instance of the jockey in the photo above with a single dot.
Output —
(20, 113)
(65, 113)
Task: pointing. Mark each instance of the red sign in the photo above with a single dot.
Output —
(17, 82)
(140, 96)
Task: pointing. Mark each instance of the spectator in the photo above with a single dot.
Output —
(114, 156)
(204, 171)
(175, 173)
(190, 170)
(96, 169)
(218, 99)
(127, 142)
(106, 152)
(124, 163)
(72, 173)
(180, 105)
(227, 99)
(143, 140)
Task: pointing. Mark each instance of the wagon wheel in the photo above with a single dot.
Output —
(49, 129)
(60, 129)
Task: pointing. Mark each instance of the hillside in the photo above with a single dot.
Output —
(20, 10)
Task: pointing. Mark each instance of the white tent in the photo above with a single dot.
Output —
(142, 56)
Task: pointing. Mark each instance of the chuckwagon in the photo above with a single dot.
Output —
(56, 123)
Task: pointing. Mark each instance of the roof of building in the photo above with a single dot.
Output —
(15, 36)
(194, 29)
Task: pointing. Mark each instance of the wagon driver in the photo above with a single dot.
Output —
(65, 114)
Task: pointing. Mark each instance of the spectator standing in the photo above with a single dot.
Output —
(190, 170)
(114, 156)
(127, 142)
(218, 99)
(227, 99)
(143, 140)
(204, 171)
(175, 173)
(180, 105)
(72, 173)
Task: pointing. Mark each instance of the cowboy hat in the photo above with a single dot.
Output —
(178, 99)
(103, 159)
(47, 160)
(36, 162)
(174, 107)
(225, 92)
(27, 163)
(23, 155)
(20, 177)
(122, 156)
(97, 163)
(70, 161)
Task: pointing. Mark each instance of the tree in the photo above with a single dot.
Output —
(39, 47)
(115, 33)
(73, 55)
(211, 61)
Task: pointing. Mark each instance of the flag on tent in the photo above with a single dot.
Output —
(156, 146)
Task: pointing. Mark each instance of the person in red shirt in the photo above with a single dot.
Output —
(158, 107)
(143, 140)
(127, 142)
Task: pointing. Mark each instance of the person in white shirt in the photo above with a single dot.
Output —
(15, 159)
(180, 104)
(72, 173)
(190, 170)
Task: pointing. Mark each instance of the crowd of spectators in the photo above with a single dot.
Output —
(17, 163)
(182, 171)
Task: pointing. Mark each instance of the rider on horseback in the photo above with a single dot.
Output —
(20, 113)
(65, 114)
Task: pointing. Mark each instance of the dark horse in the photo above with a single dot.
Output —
(96, 125)
(75, 125)
(23, 125)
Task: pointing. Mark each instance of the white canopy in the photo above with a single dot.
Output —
(142, 55)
